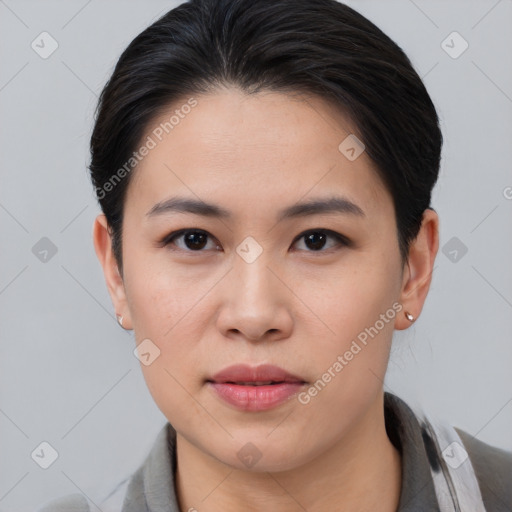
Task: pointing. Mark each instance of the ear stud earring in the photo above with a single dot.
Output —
(120, 322)
(409, 316)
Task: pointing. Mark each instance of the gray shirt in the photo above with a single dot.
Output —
(151, 488)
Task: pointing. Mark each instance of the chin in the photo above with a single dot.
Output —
(259, 453)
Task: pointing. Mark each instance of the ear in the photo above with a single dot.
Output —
(115, 285)
(418, 271)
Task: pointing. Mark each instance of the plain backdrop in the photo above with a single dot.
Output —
(68, 375)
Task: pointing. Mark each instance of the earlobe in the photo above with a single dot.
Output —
(418, 274)
(113, 279)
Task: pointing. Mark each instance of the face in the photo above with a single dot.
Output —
(301, 291)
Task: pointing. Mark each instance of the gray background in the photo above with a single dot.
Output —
(68, 375)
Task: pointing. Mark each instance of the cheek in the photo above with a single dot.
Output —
(158, 308)
(356, 294)
(166, 311)
(356, 309)
(348, 365)
(160, 295)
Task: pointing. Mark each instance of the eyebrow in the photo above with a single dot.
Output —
(340, 205)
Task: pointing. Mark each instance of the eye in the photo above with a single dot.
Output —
(315, 239)
(194, 240)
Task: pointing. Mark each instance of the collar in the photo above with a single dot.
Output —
(152, 488)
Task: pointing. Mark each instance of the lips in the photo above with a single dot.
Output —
(262, 375)
(255, 389)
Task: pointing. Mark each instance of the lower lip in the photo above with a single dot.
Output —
(256, 398)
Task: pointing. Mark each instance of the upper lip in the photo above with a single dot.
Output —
(263, 373)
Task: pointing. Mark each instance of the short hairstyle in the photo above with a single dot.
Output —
(320, 47)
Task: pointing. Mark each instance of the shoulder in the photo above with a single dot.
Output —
(493, 469)
(70, 503)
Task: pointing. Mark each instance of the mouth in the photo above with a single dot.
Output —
(263, 375)
(267, 383)
(255, 389)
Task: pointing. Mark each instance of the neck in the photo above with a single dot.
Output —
(361, 472)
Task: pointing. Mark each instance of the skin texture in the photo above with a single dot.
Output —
(206, 309)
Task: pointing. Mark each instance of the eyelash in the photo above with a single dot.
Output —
(341, 239)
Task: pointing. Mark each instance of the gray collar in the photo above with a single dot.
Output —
(429, 482)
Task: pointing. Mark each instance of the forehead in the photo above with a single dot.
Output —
(254, 151)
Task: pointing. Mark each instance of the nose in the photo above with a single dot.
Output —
(257, 303)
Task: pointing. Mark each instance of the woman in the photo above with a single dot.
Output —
(265, 171)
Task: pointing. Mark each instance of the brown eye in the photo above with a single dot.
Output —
(192, 240)
(195, 240)
(315, 240)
